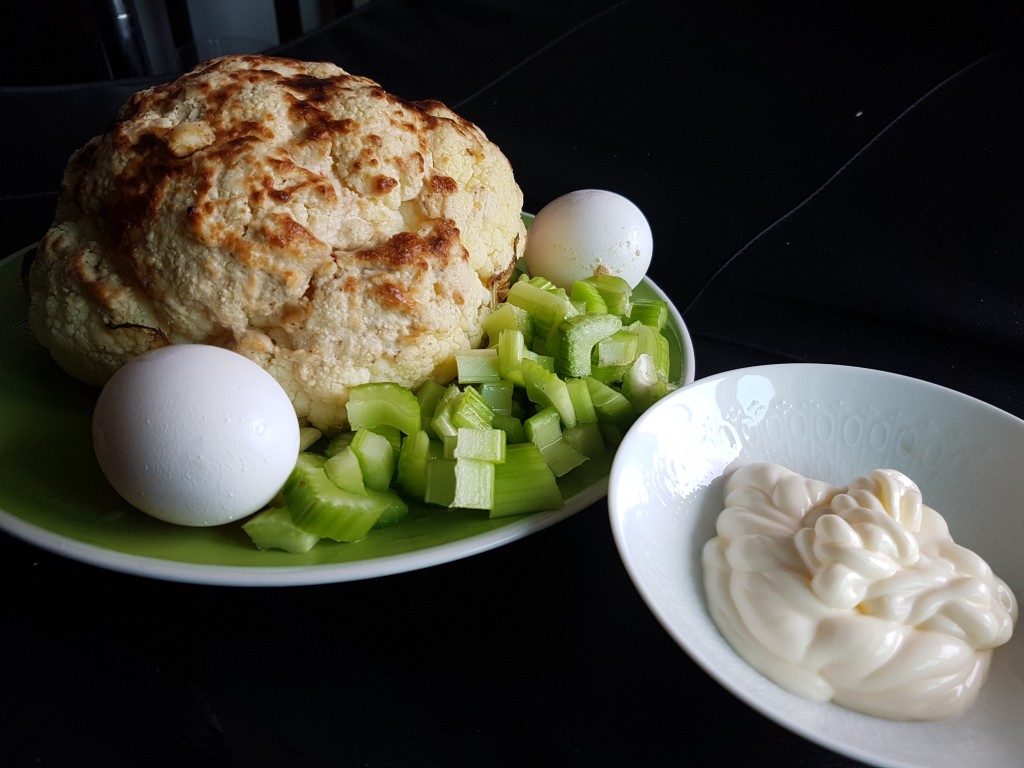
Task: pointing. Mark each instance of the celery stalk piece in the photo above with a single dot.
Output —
(650, 312)
(471, 410)
(344, 471)
(547, 362)
(577, 337)
(655, 344)
(582, 403)
(476, 366)
(374, 404)
(376, 458)
(512, 426)
(325, 510)
(641, 385)
(428, 394)
(498, 395)
(617, 294)
(507, 317)
(546, 389)
(586, 438)
(274, 528)
(524, 483)
(618, 349)
(544, 429)
(338, 442)
(546, 308)
(611, 405)
(411, 472)
(511, 345)
(587, 293)
(441, 424)
(440, 488)
(308, 436)
(474, 484)
(480, 445)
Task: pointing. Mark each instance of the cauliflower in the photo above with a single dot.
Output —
(287, 210)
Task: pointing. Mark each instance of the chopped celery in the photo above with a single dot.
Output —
(611, 405)
(577, 337)
(641, 385)
(615, 291)
(325, 510)
(344, 471)
(411, 473)
(545, 388)
(338, 442)
(586, 438)
(376, 458)
(655, 344)
(591, 298)
(511, 346)
(474, 484)
(476, 366)
(308, 436)
(524, 483)
(582, 403)
(441, 424)
(274, 528)
(544, 429)
(498, 395)
(507, 317)
(512, 426)
(650, 312)
(471, 410)
(370, 405)
(479, 444)
(428, 394)
(440, 488)
(546, 308)
(617, 349)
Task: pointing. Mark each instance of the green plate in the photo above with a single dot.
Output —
(53, 495)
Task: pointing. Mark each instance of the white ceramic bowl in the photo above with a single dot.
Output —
(832, 423)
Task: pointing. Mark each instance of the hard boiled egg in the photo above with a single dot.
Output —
(588, 232)
(195, 435)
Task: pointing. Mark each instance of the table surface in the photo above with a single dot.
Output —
(826, 182)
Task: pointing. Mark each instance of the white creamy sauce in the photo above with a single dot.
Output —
(856, 595)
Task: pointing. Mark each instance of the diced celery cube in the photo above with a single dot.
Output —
(344, 470)
(582, 403)
(371, 405)
(641, 385)
(480, 445)
(586, 438)
(650, 312)
(546, 308)
(308, 436)
(411, 473)
(546, 389)
(620, 348)
(471, 410)
(441, 424)
(577, 337)
(474, 484)
(587, 293)
(477, 365)
(429, 394)
(440, 488)
(524, 483)
(511, 345)
(376, 458)
(498, 395)
(616, 293)
(274, 528)
(544, 429)
(507, 317)
(612, 406)
(512, 426)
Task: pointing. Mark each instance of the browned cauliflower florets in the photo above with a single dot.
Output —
(289, 211)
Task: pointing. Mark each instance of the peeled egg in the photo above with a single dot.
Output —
(587, 232)
(195, 435)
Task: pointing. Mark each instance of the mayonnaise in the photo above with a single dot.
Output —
(854, 595)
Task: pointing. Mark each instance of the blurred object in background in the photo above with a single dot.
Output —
(53, 42)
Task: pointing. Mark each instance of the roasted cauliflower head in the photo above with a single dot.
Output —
(289, 211)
